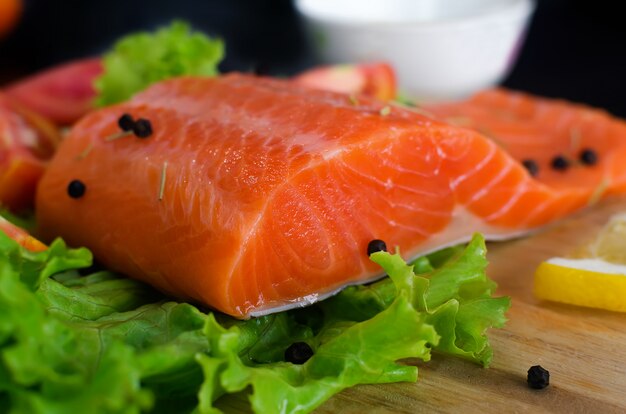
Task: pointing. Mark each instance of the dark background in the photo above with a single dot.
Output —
(575, 49)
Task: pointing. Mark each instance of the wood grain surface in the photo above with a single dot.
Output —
(584, 349)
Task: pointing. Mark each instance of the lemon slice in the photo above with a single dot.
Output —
(598, 280)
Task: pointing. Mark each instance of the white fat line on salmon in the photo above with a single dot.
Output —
(509, 204)
(486, 188)
(455, 182)
(332, 153)
(162, 185)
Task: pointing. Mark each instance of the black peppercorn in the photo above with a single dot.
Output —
(298, 353)
(76, 189)
(142, 128)
(538, 377)
(588, 157)
(126, 122)
(560, 163)
(531, 166)
(376, 246)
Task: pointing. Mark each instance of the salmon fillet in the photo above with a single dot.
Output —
(255, 195)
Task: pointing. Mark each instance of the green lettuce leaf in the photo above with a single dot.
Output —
(70, 342)
(141, 59)
(456, 297)
(450, 286)
(45, 366)
(346, 354)
(33, 268)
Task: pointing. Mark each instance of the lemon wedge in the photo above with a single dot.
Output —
(597, 280)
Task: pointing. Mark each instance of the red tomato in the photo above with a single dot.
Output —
(27, 141)
(62, 94)
(21, 236)
(373, 79)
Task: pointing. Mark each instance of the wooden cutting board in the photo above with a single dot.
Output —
(584, 349)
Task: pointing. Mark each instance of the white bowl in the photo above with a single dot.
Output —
(440, 49)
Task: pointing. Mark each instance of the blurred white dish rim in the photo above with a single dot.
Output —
(408, 12)
(440, 49)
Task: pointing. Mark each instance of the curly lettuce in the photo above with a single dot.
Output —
(139, 60)
(70, 341)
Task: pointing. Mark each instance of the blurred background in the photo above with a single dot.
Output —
(574, 49)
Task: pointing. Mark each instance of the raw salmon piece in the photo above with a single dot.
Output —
(539, 129)
(255, 195)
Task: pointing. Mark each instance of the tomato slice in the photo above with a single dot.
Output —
(62, 94)
(21, 236)
(373, 79)
(27, 141)
(381, 81)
